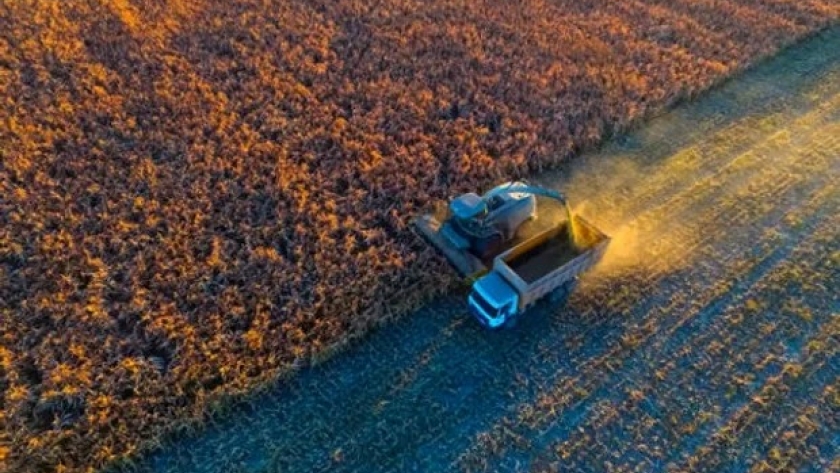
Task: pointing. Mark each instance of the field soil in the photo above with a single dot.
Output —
(197, 196)
(707, 341)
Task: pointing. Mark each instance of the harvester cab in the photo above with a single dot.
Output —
(483, 224)
(475, 228)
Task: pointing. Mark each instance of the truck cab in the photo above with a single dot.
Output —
(493, 301)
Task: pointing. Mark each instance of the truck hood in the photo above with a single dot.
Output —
(495, 289)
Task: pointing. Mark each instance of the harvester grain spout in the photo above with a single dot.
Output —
(540, 191)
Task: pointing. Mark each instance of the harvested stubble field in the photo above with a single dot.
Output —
(197, 196)
(708, 341)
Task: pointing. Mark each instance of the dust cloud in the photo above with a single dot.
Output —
(659, 208)
(637, 243)
(619, 196)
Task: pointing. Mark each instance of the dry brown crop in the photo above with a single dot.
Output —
(196, 196)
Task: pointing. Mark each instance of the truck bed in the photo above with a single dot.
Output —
(549, 251)
(545, 258)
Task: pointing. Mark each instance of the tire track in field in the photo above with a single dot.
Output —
(714, 456)
(657, 379)
(828, 351)
(415, 394)
(811, 418)
(584, 443)
(820, 313)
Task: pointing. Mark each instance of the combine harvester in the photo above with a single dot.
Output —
(514, 258)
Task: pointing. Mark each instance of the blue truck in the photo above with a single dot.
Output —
(518, 243)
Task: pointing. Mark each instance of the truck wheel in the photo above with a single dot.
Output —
(558, 295)
(562, 293)
(570, 285)
(511, 322)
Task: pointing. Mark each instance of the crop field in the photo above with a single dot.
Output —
(199, 196)
(707, 341)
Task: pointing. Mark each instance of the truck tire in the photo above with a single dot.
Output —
(571, 285)
(511, 322)
(558, 295)
(561, 294)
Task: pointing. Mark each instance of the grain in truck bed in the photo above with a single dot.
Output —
(544, 258)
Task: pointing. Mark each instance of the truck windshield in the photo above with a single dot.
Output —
(485, 306)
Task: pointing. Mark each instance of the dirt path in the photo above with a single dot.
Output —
(708, 340)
